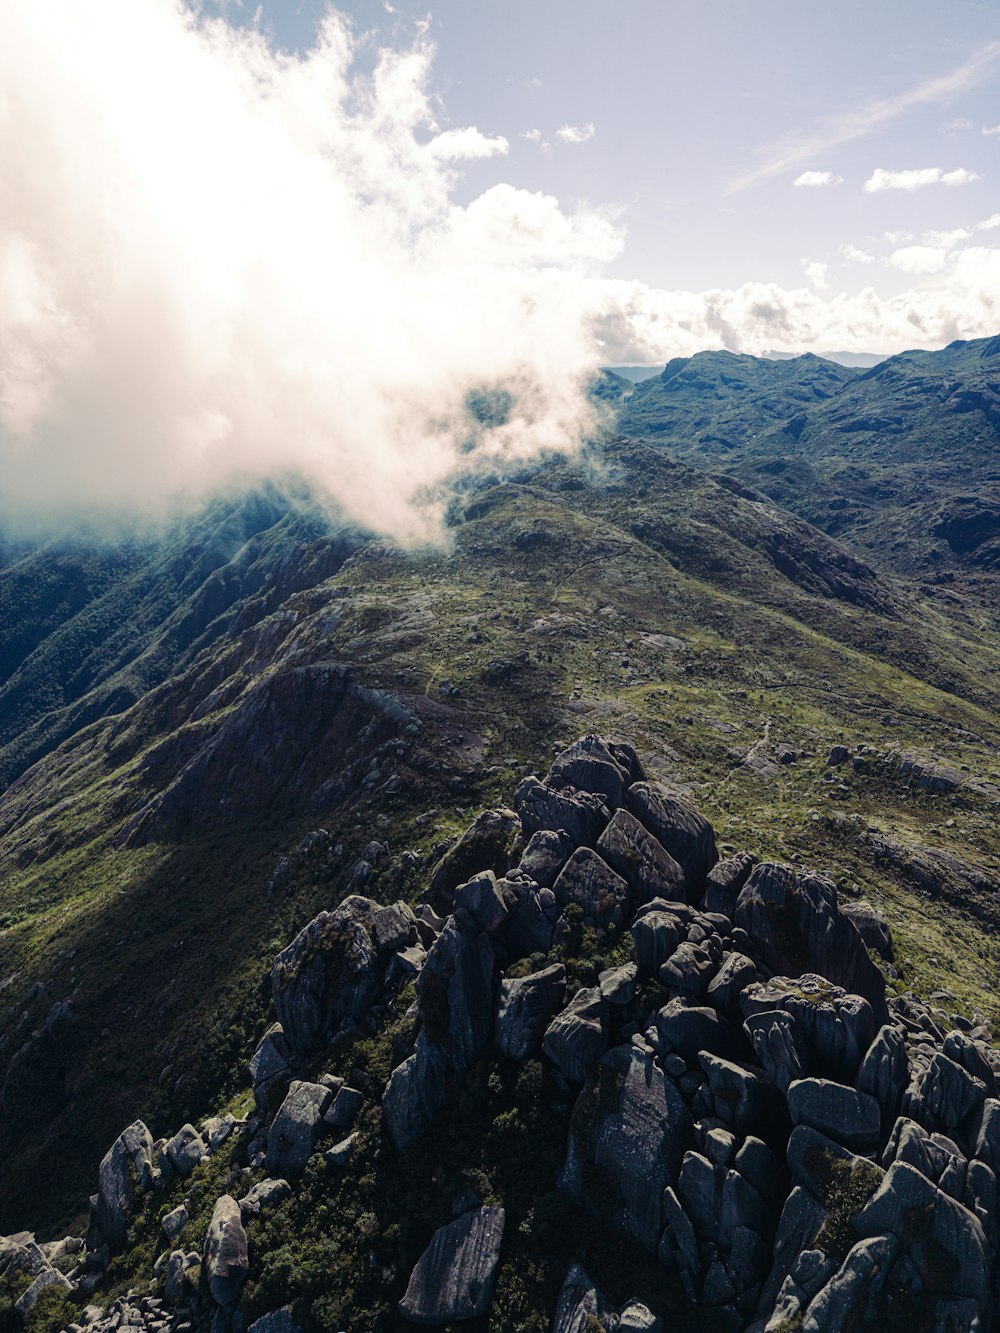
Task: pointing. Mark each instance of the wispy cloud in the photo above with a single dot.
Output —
(794, 150)
(816, 179)
(854, 255)
(916, 179)
(990, 129)
(990, 223)
(576, 133)
(466, 143)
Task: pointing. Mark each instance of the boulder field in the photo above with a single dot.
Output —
(752, 1109)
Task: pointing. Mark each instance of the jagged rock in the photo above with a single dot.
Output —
(689, 969)
(802, 1219)
(527, 1005)
(941, 1094)
(126, 1173)
(589, 881)
(453, 1278)
(629, 1126)
(792, 917)
(483, 901)
(635, 854)
(576, 1038)
(341, 1112)
(636, 1317)
(835, 1028)
(330, 972)
(872, 927)
(48, 1277)
(740, 1097)
(885, 1072)
(684, 833)
(581, 814)
(776, 1042)
(185, 1150)
(724, 990)
(277, 1321)
(533, 916)
(986, 1139)
(216, 1130)
(455, 1007)
(854, 1296)
(296, 1128)
(174, 1222)
(724, 881)
(656, 933)
(341, 1153)
(841, 1113)
(486, 845)
(967, 1053)
(581, 1308)
(266, 1194)
(547, 852)
(588, 765)
(690, 1029)
(678, 1246)
(270, 1066)
(225, 1258)
(619, 985)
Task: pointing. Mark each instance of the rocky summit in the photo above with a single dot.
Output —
(749, 1129)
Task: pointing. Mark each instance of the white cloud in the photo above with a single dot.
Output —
(990, 129)
(533, 136)
(990, 223)
(916, 178)
(576, 133)
(959, 124)
(468, 142)
(899, 237)
(238, 264)
(856, 256)
(815, 272)
(799, 146)
(817, 178)
(947, 239)
(919, 258)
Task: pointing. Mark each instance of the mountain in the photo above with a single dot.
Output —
(899, 461)
(231, 748)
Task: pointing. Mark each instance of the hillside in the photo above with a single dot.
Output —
(899, 461)
(287, 714)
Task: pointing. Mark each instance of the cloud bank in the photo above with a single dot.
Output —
(219, 263)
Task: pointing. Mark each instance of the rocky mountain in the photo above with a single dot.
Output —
(898, 461)
(347, 1023)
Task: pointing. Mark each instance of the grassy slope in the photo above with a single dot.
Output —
(165, 947)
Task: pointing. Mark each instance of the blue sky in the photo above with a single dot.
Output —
(688, 101)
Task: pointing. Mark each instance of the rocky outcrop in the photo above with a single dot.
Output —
(296, 1128)
(126, 1174)
(225, 1259)
(527, 1006)
(454, 1277)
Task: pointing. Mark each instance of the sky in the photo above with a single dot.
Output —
(289, 241)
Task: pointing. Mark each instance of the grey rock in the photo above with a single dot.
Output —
(843, 1114)
(793, 919)
(264, 1196)
(547, 852)
(533, 916)
(341, 1153)
(689, 969)
(527, 1005)
(455, 1007)
(885, 1072)
(872, 927)
(684, 833)
(48, 1277)
(576, 1038)
(126, 1173)
(635, 1317)
(342, 1111)
(816, 1163)
(619, 985)
(185, 1150)
(656, 933)
(630, 1123)
(969, 1054)
(802, 1218)
(942, 1094)
(488, 844)
(777, 1044)
(581, 1307)
(855, 1294)
(724, 990)
(741, 1097)
(581, 814)
(276, 1321)
(225, 1260)
(724, 881)
(833, 1030)
(454, 1277)
(174, 1222)
(483, 901)
(678, 1248)
(690, 1029)
(270, 1066)
(296, 1128)
(588, 765)
(589, 881)
(216, 1130)
(635, 854)
(330, 972)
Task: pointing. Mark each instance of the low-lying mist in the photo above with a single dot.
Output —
(221, 264)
